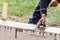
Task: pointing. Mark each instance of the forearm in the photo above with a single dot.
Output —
(53, 0)
(44, 5)
(43, 16)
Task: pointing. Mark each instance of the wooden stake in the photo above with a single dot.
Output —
(4, 11)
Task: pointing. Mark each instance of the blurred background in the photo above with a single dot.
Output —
(22, 10)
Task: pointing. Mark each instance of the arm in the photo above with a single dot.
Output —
(43, 16)
(44, 5)
(42, 20)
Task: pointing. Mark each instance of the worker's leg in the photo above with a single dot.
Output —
(41, 8)
(36, 16)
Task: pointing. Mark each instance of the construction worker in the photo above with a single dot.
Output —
(40, 13)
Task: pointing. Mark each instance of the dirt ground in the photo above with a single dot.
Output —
(7, 33)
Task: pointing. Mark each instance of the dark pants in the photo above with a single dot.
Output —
(41, 8)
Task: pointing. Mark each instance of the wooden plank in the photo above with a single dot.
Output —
(17, 25)
(4, 11)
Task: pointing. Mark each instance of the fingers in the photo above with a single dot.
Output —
(41, 22)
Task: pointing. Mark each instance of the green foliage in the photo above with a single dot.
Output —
(20, 7)
(54, 14)
(25, 8)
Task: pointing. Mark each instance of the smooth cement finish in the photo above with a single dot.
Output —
(28, 26)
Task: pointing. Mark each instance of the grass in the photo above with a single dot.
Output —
(22, 10)
(54, 14)
(20, 7)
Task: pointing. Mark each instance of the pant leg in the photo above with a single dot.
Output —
(36, 16)
(43, 4)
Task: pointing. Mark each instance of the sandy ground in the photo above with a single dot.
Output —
(7, 33)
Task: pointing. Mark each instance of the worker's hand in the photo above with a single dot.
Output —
(42, 20)
(53, 3)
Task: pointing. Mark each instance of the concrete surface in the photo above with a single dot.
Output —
(7, 33)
